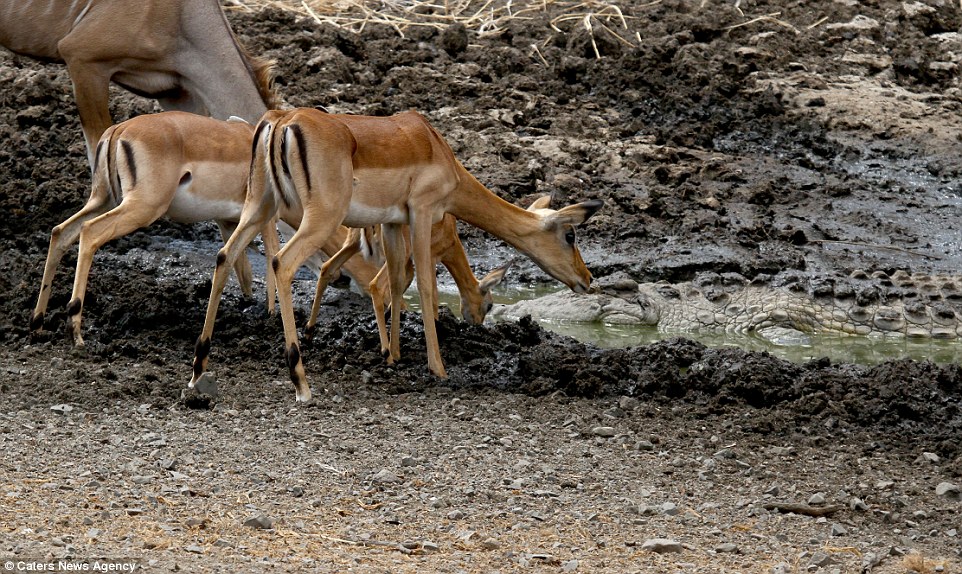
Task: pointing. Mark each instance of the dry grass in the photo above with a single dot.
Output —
(484, 17)
(915, 562)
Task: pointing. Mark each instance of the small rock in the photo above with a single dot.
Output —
(628, 403)
(134, 511)
(259, 522)
(194, 549)
(821, 559)
(196, 522)
(61, 408)
(857, 504)
(884, 484)
(206, 385)
(602, 431)
(929, 457)
(726, 548)
(669, 509)
(385, 476)
(455, 515)
(661, 545)
(948, 490)
(490, 544)
(409, 461)
(773, 490)
(839, 530)
(569, 566)
(816, 499)
(644, 445)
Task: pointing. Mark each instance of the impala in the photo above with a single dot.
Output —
(188, 167)
(446, 247)
(180, 52)
(325, 170)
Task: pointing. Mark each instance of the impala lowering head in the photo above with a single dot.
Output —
(474, 313)
(557, 252)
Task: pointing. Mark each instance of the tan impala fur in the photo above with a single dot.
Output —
(188, 167)
(447, 249)
(326, 170)
(180, 52)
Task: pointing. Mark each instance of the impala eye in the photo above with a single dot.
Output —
(570, 237)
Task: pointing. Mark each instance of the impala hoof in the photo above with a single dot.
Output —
(303, 396)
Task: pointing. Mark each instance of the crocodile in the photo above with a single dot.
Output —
(897, 304)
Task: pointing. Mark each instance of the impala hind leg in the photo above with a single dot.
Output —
(272, 245)
(302, 245)
(242, 267)
(126, 218)
(247, 229)
(61, 238)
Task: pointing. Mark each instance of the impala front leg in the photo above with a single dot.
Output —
(242, 267)
(395, 252)
(329, 270)
(424, 268)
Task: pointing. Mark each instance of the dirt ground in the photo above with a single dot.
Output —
(755, 138)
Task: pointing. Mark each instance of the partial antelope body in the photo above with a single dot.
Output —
(180, 52)
(446, 247)
(188, 167)
(326, 170)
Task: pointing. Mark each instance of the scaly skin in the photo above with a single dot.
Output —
(900, 305)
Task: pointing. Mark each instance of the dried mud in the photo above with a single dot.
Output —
(718, 146)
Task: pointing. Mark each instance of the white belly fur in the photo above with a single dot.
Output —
(360, 215)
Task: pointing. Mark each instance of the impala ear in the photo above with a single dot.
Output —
(541, 203)
(494, 278)
(573, 214)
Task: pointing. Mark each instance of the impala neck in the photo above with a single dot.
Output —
(479, 206)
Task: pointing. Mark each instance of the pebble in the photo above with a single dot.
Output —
(61, 408)
(821, 559)
(490, 544)
(194, 549)
(929, 457)
(816, 499)
(669, 509)
(839, 530)
(408, 461)
(661, 545)
(259, 522)
(857, 504)
(569, 566)
(948, 490)
(603, 431)
(385, 476)
(726, 548)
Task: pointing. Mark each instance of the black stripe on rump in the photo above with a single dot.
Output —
(129, 152)
(302, 149)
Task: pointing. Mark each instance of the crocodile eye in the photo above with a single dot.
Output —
(570, 237)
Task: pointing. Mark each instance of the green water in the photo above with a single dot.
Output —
(847, 349)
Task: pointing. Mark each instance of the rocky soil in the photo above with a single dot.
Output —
(756, 138)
